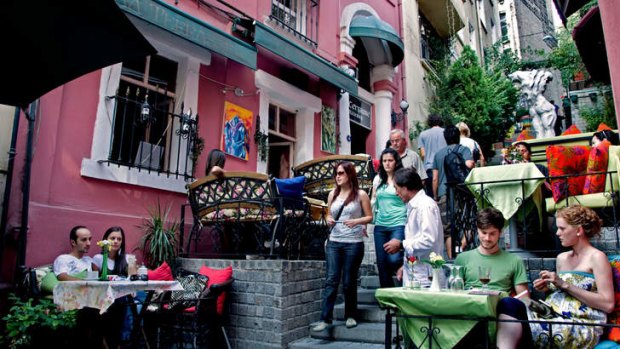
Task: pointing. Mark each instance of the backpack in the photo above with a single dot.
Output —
(454, 166)
(476, 153)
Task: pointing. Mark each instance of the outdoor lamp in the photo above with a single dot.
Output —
(397, 117)
(145, 111)
(187, 124)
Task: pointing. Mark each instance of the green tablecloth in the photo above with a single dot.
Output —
(507, 196)
(425, 302)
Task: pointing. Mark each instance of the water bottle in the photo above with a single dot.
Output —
(456, 281)
(143, 273)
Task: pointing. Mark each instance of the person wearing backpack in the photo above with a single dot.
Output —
(473, 146)
(450, 167)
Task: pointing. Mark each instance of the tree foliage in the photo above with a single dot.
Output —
(565, 57)
(484, 99)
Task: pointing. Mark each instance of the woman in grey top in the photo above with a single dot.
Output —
(345, 247)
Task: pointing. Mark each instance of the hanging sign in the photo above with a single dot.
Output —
(359, 111)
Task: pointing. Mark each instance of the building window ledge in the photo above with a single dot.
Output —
(133, 176)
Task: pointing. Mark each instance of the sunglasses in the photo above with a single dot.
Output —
(340, 173)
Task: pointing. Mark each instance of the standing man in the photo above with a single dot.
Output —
(430, 142)
(73, 263)
(441, 194)
(408, 157)
(423, 230)
(507, 269)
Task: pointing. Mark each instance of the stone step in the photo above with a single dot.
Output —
(366, 296)
(366, 332)
(371, 282)
(315, 343)
(365, 313)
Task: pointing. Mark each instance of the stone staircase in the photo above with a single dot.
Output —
(369, 333)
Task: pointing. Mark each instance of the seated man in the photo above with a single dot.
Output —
(507, 270)
(66, 266)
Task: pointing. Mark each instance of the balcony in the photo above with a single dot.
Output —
(299, 17)
(443, 15)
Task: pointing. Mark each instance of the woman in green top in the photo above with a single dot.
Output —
(390, 216)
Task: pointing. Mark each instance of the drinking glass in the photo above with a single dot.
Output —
(456, 281)
(484, 275)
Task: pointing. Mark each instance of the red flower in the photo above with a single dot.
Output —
(411, 259)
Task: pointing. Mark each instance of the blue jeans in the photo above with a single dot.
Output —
(342, 258)
(388, 264)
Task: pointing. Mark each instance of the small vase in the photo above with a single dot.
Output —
(413, 283)
(435, 286)
(104, 267)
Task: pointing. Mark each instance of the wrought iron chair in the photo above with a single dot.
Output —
(199, 326)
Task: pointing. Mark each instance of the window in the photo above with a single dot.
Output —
(144, 104)
(281, 141)
(297, 16)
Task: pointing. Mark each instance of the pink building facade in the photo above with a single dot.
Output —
(315, 78)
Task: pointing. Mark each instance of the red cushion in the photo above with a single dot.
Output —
(567, 160)
(572, 130)
(217, 276)
(597, 162)
(162, 273)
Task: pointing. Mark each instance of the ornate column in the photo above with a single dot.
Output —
(346, 62)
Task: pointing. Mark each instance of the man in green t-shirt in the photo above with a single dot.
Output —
(507, 270)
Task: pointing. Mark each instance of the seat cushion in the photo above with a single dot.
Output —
(292, 188)
(567, 160)
(572, 130)
(217, 276)
(597, 162)
(161, 273)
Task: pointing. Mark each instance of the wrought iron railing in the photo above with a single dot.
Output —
(433, 331)
(466, 199)
(148, 136)
(299, 17)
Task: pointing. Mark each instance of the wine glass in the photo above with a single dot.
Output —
(484, 275)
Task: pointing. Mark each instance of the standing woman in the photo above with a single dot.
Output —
(390, 215)
(345, 246)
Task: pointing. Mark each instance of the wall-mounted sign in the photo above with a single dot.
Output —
(359, 111)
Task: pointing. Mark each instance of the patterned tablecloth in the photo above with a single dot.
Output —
(70, 295)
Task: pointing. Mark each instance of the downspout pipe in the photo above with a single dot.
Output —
(7, 187)
(23, 229)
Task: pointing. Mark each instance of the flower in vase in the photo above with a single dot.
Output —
(411, 260)
(105, 245)
(436, 261)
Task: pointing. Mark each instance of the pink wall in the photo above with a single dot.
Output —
(61, 198)
(610, 16)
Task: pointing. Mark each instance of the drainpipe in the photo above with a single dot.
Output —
(403, 80)
(23, 229)
(7, 187)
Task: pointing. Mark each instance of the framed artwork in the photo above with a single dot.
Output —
(236, 131)
(328, 130)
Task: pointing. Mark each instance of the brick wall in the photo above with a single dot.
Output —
(273, 301)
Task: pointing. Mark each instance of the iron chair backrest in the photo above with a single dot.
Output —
(319, 174)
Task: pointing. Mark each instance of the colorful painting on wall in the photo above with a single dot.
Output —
(328, 130)
(236, 132)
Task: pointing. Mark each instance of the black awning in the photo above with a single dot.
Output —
(590, 41)
(48, 43)
(566, 8)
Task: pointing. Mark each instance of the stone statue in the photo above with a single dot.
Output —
(532, 85)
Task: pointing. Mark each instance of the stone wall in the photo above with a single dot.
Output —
(273, 302)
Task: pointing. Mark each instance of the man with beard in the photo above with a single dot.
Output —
(507, 270)
(66, 266)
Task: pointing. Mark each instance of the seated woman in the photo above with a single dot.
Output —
(215, 163)
(581, 290)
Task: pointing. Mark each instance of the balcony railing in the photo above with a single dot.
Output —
(299, 17)
(151, 138)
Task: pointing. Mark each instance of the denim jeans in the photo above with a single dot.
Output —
(388, 264)
(429, 183)
(342, 259)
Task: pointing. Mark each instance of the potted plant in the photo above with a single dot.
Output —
(35, 323)
(159, 242)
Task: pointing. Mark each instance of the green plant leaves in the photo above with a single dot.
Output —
(159, 242)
